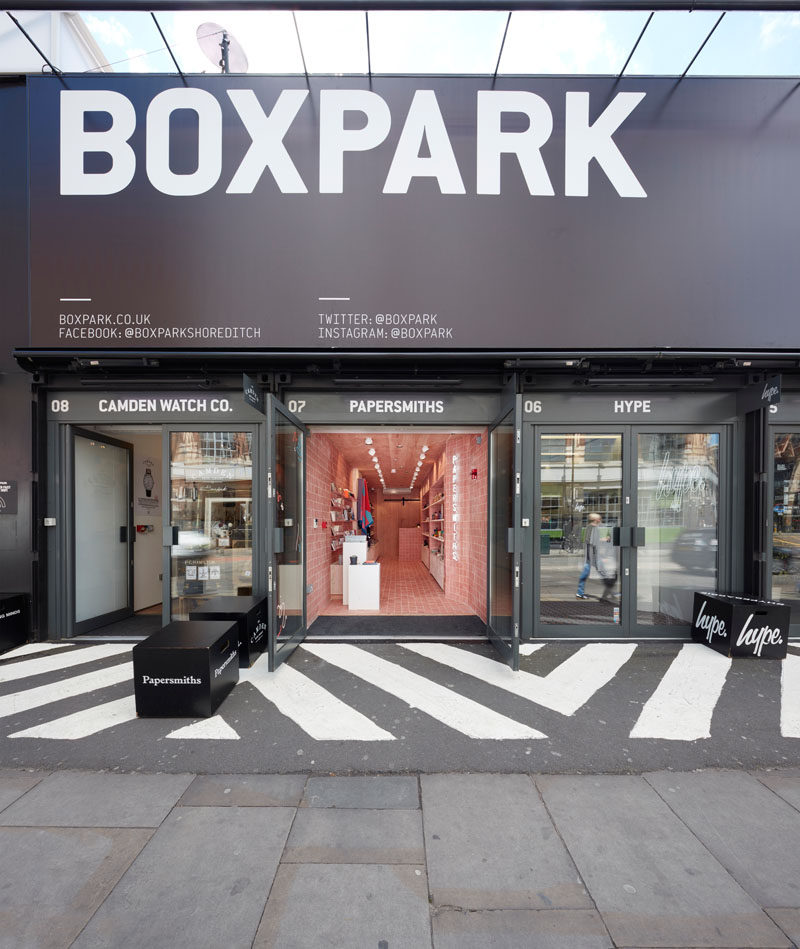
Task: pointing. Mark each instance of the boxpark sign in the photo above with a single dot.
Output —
(423, 213)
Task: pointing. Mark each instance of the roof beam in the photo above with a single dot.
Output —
(103, 6)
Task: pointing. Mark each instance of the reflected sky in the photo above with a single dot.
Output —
(453, 42)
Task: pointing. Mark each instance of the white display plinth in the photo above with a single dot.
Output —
(355, 546)
(365, 587)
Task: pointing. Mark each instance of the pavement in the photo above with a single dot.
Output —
(451, 861)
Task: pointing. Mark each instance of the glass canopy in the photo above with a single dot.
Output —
(430, 42)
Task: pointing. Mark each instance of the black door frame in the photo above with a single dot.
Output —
(629, 628)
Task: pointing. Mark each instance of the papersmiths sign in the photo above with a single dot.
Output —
(414, 213)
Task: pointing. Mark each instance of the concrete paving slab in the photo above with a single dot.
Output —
(753, 833)
(491, 845)
(244, 790)
(362, 792)
(516, 928)
(85, 799)
(319, 906)
(653, 882)
(785, 785)
(789, 921)
(202, 880)
(13, 784)
(54, 879)
(346, 835)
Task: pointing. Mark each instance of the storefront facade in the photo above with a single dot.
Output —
(255, 269)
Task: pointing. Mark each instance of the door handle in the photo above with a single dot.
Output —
(510, 541)
(170, 535)
(638, 537)
(123, 534)
(277, 540)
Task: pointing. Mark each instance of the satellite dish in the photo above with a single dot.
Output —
(221, 47)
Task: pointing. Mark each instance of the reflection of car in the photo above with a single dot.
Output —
(696, 549)
(192, 544)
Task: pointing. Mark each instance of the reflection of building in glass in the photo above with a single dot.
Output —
(786, 517)
(678, 480)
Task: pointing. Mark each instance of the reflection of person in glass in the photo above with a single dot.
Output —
(592, 539)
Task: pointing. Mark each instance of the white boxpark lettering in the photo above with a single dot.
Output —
(758, 638)
(712, 625)
(423, 126)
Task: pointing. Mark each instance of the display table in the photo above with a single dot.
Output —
(365, 587)
(354, 545)
(14, 617)
(740, 625)
(251, 614)
(186, 669)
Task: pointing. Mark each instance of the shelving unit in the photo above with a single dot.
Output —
(342, 517)
(433, 532)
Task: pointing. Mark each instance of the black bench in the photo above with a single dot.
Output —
(251, 614)
(14, 616)
(186, 669)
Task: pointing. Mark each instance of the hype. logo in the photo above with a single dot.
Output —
(758, 638)
(713, 625)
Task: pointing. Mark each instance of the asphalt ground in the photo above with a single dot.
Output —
(418, 715)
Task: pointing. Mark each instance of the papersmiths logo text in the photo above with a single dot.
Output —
(350, 120)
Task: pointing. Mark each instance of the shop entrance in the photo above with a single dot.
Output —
(408, 506)
(630, 526)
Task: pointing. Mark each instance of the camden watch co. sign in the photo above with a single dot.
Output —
(422, 213)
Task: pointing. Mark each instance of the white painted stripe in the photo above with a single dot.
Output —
(65, 689)
(85, 723)
(790, 696)
(72, 657)
(454, 710)
(681, 707)
(31, 649)
(528, 649)
(563, 690)
(214, 728)
(315, 710)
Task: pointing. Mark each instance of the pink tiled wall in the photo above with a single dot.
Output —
(409, 543)
(465, 578)
(323, 465)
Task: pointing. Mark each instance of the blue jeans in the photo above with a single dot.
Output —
(587, 568)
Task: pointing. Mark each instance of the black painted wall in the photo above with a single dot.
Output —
(16, 556)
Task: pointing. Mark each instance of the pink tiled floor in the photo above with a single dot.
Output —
(406, 589)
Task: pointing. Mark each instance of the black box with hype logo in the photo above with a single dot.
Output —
(186, 669)
(740, 625)
(251, 614)
(13, 620)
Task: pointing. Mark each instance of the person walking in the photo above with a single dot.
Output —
(590, 547)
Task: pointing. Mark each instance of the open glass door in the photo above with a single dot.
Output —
(505, 486)
(208, 540)
(286, 536)
(103, 555)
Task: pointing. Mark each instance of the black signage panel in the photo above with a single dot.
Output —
(761, 395)
(8, 497)
(393, 408)
(623, 408)
(413, 213)
(250, 613)
(145, 406)
(252, 393)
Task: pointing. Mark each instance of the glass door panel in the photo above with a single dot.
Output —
(581, 491)
(103, 567)
(676, 546)
(287, 520)
(504, 568)
(786, 519)
(211, 517)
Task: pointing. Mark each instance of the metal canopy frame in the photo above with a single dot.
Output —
(104, 6)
